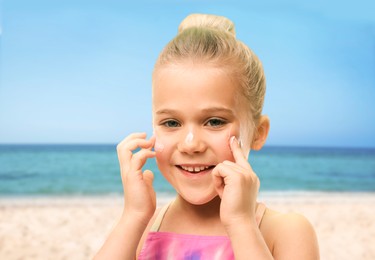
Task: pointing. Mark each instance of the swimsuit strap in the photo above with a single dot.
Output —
(159, 218)
(259, 213)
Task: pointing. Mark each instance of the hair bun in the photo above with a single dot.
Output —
(220, 23)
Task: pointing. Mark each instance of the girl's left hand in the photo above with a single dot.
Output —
(237, 185)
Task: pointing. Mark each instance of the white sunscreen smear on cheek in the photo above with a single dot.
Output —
(159, 146)
(189, 138)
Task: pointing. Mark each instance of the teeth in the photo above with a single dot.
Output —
(195, 169)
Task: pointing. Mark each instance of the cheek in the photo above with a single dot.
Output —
(162, 161)
(163, 147)
(162, 142)
(234, 130)
(222, 148)
(220, 142)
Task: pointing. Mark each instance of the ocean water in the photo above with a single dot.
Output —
(46, 170)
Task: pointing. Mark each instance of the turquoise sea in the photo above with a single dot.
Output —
(45, 170)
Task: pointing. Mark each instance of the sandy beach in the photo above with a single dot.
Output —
(75, 228)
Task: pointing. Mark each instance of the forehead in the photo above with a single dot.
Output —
(195, 84)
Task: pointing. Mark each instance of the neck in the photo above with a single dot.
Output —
(210, 209)
(186, 218)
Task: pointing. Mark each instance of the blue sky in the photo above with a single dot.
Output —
(80, 71)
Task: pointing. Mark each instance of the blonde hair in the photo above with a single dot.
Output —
(212, 39)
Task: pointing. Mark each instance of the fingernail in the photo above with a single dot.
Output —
(232, 139)
(240, 142)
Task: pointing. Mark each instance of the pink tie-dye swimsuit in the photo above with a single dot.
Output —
(167, 245)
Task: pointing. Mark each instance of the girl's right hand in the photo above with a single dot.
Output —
(140, 197)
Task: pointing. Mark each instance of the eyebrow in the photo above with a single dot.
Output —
(218, 109)
(166, 111)
(205, 110)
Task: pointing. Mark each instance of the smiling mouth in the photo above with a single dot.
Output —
(195, 169)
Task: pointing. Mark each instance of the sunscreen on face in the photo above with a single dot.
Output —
(189, 138)
(239, 139)
(158, 146)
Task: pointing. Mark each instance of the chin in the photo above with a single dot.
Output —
(198, 198)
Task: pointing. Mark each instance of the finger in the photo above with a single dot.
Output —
(152, 140)
(148, 177)
(131, 137)
(234, 165)
(125, 149)
(139, 159)
(218, 182)
(237, 152)
(221, 174)
(244, 171)
(120, 146)
(138, 143)
(134, 136)
(227, 169)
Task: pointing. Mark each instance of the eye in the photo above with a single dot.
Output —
(171, 123)
(215, 122)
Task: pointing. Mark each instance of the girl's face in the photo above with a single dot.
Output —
(195, 112)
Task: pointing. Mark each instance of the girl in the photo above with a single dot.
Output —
(208, 92)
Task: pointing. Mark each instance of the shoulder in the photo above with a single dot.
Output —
(289, 235)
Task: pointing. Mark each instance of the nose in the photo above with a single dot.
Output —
(191, 143)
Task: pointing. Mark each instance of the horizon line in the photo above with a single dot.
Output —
(114, 144)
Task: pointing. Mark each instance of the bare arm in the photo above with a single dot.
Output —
(140, 199)
(248, 242)
(123, 241)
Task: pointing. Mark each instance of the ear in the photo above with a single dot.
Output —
(261, 133)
